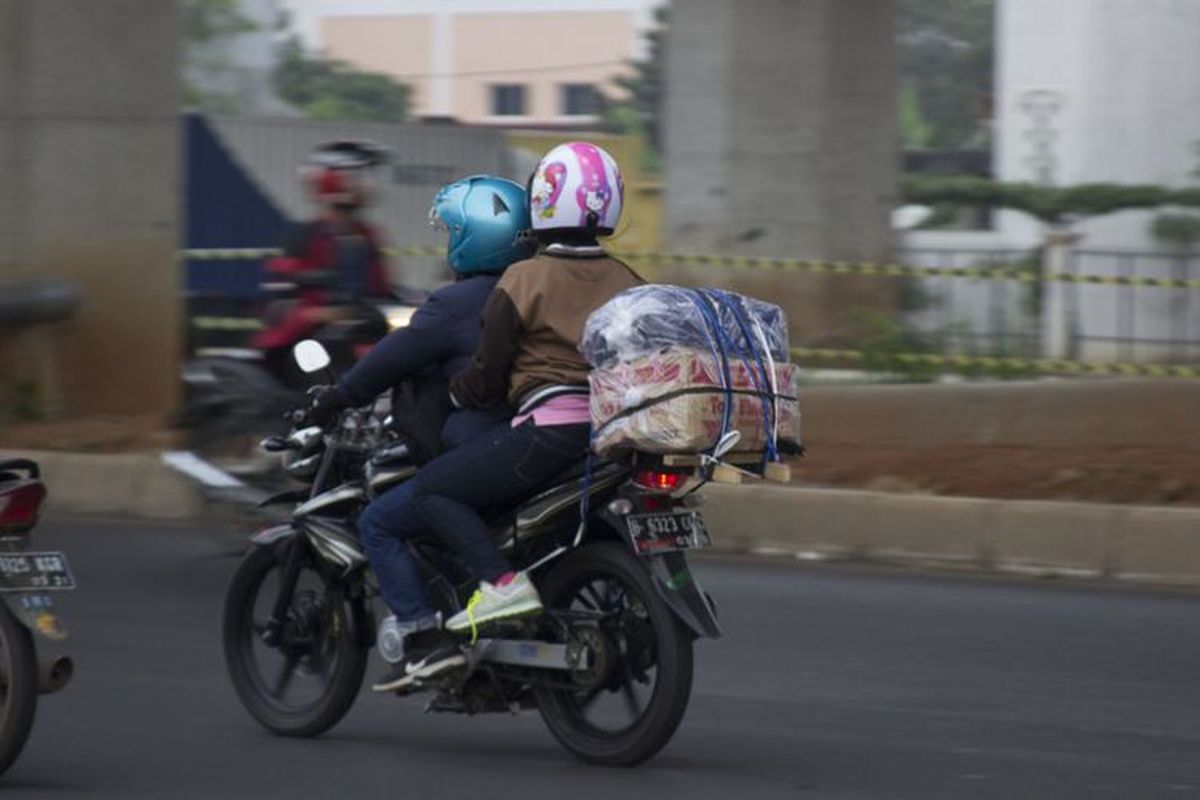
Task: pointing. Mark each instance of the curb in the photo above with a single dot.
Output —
(136, 485)
(1141, 544)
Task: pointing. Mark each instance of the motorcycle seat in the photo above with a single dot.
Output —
(565, 492)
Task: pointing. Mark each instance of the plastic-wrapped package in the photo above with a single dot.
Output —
(665, 361)
(673, 402)
(646, 319)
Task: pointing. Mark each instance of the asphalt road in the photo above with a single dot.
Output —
(829, 683)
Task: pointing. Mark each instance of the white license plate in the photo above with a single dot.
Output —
(21, 572)
(662, 533)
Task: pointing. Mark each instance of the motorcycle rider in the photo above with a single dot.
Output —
(483, 216)
(528, 358)
(335, 258)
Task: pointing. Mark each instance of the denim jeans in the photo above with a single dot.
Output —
(498, 468)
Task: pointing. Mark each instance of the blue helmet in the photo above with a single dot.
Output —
(483, 215)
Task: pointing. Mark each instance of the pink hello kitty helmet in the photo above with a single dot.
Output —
(576, 187)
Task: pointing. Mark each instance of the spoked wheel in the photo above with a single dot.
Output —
(299, 678)
(630, 696)
(18, 687)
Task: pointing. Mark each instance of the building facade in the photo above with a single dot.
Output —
(512, 63)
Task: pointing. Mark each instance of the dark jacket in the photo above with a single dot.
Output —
(437, 344)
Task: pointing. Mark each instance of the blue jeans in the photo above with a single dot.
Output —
(498, 468)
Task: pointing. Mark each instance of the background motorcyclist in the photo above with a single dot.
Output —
(334, 259)
(527, 357)
(483, 216)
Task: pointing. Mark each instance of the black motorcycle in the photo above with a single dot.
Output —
(27, 580)
(608, 663)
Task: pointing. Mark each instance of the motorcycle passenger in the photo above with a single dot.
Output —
(528, 358)
(334, 259)
(483, 216)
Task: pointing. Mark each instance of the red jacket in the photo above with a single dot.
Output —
(328, 267)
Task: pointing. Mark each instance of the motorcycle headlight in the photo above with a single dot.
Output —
(399, 316)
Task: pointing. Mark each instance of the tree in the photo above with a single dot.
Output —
(639, 111)
(207, 24)
(946, 61)
(325, 89)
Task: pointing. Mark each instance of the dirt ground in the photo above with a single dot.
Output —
(1123, 475)
(92, 435)
(1098, 474)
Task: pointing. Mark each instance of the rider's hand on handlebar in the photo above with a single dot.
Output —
(325, 403)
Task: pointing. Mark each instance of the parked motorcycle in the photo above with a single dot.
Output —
(27, 581)
(608, 664)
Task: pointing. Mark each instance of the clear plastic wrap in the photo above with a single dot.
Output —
(647, 319)
(666, 360)
(673, 401)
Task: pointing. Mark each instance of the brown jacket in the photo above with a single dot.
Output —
(532, 323)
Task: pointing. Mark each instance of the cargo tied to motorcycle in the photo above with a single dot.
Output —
(675, 369)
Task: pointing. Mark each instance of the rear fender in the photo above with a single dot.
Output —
(35, 610)
(679, 589)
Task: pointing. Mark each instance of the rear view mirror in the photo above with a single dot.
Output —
(311, 356)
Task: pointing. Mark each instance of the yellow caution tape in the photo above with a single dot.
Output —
(227, 324)
(887, 270)
(1043, 366)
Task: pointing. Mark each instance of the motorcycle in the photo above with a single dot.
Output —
(234, 396)
(607, 664)
(27, 581)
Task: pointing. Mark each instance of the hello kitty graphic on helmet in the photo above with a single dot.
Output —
(577, 186)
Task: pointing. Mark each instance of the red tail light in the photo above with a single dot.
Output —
(19, 504)
(659, 480)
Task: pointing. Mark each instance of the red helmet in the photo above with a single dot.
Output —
(338, 173)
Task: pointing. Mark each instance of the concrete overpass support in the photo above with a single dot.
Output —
(781, 140)
(89, 191)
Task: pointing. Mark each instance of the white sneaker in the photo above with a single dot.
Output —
(491, 602)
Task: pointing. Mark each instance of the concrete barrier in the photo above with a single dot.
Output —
(1138, 543)
(1143, 544)
(137, 485)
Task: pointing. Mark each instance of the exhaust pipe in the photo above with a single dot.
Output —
(54, 673)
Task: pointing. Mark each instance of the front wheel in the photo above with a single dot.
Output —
(300, 677)
(18, 686)
(629, 712)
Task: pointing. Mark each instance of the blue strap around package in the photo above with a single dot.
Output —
(719, 342)
(754, 356)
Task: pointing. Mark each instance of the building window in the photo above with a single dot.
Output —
(508, 100)
(580, 100)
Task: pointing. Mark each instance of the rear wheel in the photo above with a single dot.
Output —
(629, 710)
(302, 679)
(18, 687)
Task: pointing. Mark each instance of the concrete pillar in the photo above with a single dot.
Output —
(90, 188)
(781, 140)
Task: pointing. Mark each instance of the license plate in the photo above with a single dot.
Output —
(660, 533)
(21, 572)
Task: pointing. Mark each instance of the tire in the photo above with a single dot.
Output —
(18, 697)
(561, 708)
(333, 623)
